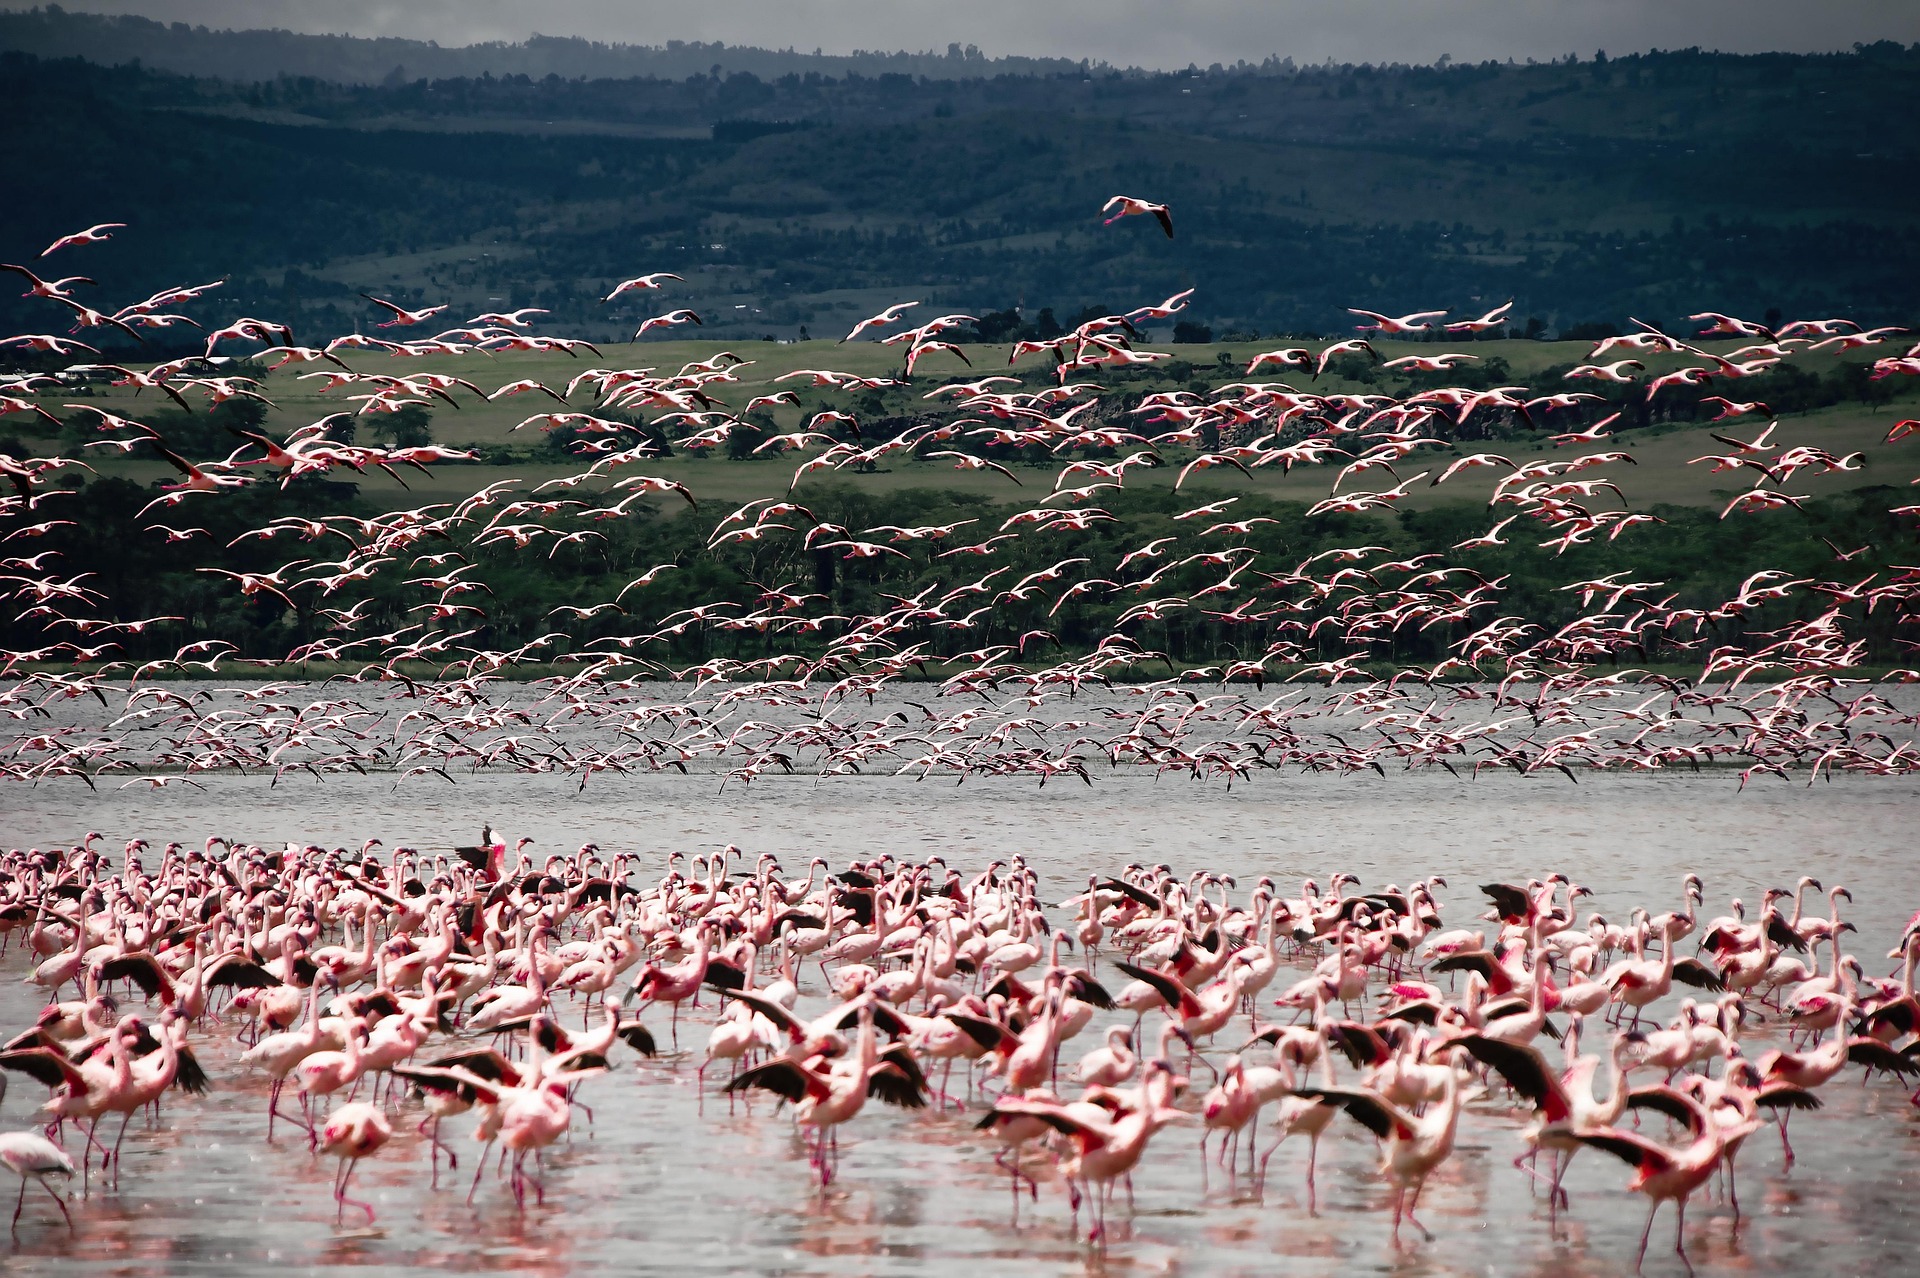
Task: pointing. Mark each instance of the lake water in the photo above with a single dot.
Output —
(655, 1184)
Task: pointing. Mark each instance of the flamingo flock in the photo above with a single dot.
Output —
(406, 595)
(376, 997)
(482, 984)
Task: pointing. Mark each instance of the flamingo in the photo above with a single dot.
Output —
(1106, 1148)
(352, 1132)
(278, 1054)
(1669, 1174)
(827, 1094)
(31, 1154)
(1564, 1104)
(1129, 206)
(1413, 1145)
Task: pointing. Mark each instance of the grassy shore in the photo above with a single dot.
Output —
(1665, 472)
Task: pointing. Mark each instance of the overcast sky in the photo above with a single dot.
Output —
(1149, 33)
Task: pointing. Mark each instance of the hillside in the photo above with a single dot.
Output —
(1588, 191)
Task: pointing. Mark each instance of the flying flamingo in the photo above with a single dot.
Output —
(1131, 207)
(96, 234)
(640, 283)
(401, 315)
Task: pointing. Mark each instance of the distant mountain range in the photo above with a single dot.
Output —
(53, 32)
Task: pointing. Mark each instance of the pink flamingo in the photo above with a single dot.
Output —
(353, 1131)
(1666, 1174)
(31, 1154)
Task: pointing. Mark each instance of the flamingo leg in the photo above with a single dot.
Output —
(1260, 1180)
(430, 1127)
(1313, 1156)
(1525, 1162)
(1412, 1203)
(1013, 1184)
(341, 1201)
(433, 1150)
(1556, 1192)
(124, 1120)
(479, 1171)
(58, 1201)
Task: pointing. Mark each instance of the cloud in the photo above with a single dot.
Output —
(1153, 33)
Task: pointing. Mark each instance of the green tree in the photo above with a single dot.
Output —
(411, 427)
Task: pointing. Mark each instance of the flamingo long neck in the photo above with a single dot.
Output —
(313, 1032)
(196, 980)
(536, 979)
(1168, 1033)
(169, 1056)
(122, 1063)
(1323, 1058)
(1617, 1072)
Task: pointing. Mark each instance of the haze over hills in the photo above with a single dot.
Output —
(801, 193)
(186, 49)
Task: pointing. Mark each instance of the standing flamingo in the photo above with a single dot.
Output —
(1667, 1174)
(31, 1154)
(1414, 1145)
(352, 1132)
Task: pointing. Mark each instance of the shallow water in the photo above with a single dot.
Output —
(655, 1183)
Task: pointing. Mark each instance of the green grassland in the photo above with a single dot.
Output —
(1662, 451)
